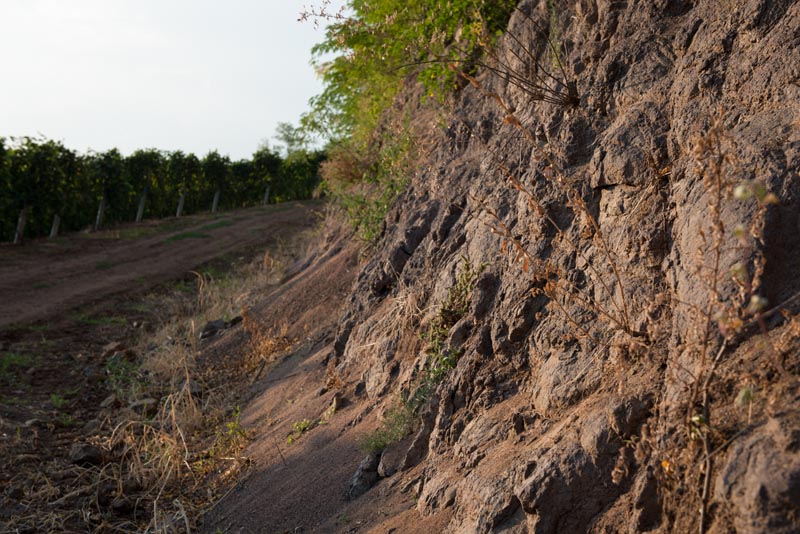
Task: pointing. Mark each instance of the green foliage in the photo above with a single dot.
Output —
(384, 41)
(398, 422)
(366, 187)
(47, 179)
(376, 49)
(298, 429)
(441, 358)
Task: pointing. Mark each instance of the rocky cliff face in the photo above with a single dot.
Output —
(617, 369)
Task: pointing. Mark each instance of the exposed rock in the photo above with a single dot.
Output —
(557, 416)
(85, 454)
(365, 476)
(392, 458)
(760, 482)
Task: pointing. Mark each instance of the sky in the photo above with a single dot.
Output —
(191, 75)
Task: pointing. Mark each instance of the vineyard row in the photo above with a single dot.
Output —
(47, 188)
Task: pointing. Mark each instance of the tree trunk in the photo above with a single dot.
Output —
(266, 197)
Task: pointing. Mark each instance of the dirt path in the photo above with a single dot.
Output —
(45, 278)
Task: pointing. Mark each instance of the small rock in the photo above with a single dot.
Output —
(322, 391)
(147, 406)
(365, 476)
(85, 454)
(131, 485)
(106, 492)
(392, 458)
(336, 402)
(110, 348)
(110, 401)
(92, 426)
(33, 422)
(211, 328)
(15, 493)
(122, 506)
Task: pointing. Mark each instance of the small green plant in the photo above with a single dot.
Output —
(441, 359)
(10, 361)
(232, 437)
(87, 319)
(215, 225)
(187, 235)
(122, 375)
(57, 401)
(103, 265)
(66, 420)
(298, 429)
(398, 422)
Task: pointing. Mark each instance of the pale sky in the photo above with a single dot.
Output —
(194, 75)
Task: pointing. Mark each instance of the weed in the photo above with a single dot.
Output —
(218, 224)
(103, 265)
(232, 437)
(57, 401)
(121, 375)
(299, 428)
(440, 360)
(398, 422)
(66, 420)
(41, 285)
(87, 319)
(10, 362)
(187, 235)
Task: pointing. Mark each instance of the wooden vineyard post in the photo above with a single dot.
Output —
(23, 214)
(215, 204)
(101, 212)
(55, 225)
(140, 211)
(180, 204)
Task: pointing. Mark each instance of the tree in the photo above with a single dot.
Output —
(294, 139)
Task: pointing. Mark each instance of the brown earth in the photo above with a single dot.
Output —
(46, 277)
(54, 372)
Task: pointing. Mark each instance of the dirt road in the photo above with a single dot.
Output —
(47, 277)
